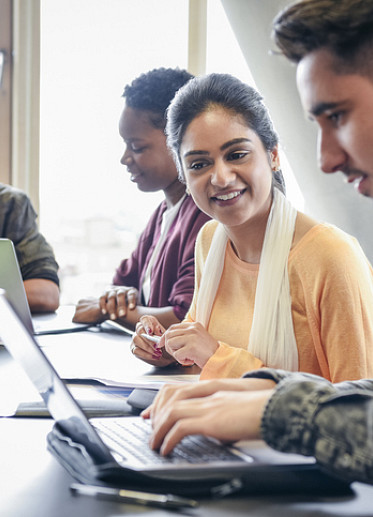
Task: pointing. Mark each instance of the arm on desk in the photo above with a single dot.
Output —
(88, 310)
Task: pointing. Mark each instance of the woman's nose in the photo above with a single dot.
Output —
(222, 174)
(126, 158)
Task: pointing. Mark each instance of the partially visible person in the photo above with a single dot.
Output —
(332, 44)
(158, 278)
(271, 283)
(38, 266)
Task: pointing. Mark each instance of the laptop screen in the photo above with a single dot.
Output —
(11, 281)
(63, 408)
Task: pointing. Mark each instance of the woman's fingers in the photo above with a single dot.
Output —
(152, 326)
(117, 300)
(132, 295)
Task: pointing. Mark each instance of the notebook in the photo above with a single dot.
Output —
(11, 281)
(115, 451)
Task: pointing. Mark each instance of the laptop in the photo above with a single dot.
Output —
(114, 451)
(11, 281)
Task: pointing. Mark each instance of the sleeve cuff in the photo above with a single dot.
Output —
(269, 373)
(287, 422)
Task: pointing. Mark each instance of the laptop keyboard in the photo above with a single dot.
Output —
(130, 437)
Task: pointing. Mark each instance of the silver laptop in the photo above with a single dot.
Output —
(11, 281)
(115, 450)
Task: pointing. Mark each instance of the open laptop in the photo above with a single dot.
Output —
(115, 450)
(11, 281)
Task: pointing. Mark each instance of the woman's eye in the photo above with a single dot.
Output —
(237, 155)
(196, 166)
(137, 149)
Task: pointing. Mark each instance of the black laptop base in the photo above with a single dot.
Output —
(301, 479)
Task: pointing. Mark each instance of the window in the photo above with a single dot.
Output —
(90, 211)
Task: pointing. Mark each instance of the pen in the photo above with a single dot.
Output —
(132, 496)
(155, 339)
(117, 326)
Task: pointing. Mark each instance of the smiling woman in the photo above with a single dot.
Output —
(271, 283)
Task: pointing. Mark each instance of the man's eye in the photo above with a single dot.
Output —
(335, 117)
(138, 149)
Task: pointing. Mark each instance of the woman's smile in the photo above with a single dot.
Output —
(228, 198)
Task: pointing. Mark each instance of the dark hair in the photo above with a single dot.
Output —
(343, 27)
(202, 94)
(154, 90)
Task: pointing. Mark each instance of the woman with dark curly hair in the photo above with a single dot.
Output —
(158, 278)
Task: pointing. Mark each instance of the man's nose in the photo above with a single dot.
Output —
(331, 156)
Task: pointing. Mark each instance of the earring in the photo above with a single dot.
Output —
(187, 191)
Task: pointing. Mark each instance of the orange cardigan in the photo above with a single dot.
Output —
(331, 287)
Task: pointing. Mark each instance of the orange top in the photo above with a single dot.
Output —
(331, 287)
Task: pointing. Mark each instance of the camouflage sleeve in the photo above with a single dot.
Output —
(334, 423)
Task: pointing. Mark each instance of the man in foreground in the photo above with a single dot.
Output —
(332, 44)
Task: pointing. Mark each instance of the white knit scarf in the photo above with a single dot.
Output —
(272, 337)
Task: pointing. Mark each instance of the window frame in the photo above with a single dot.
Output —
(6, 19)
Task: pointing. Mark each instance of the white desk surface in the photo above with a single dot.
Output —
(33, 484)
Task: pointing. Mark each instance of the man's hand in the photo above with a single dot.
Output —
(228, 416)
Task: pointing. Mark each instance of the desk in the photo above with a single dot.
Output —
(33, 484)
(88, 354)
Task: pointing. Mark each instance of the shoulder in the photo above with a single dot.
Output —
(329, 235)
(156, 216)
(17, 214)
(189, 220)
(326, 244)
(303, 225)
(205, 237)
(189, 209)
(9, 194)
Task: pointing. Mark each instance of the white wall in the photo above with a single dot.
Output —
(327, 197)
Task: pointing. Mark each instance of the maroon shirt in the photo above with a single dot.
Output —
(172, 276)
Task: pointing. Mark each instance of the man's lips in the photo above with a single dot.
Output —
(352, 174)
(351, 178)
(358, 179)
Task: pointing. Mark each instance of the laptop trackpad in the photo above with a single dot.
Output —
(141, 398)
